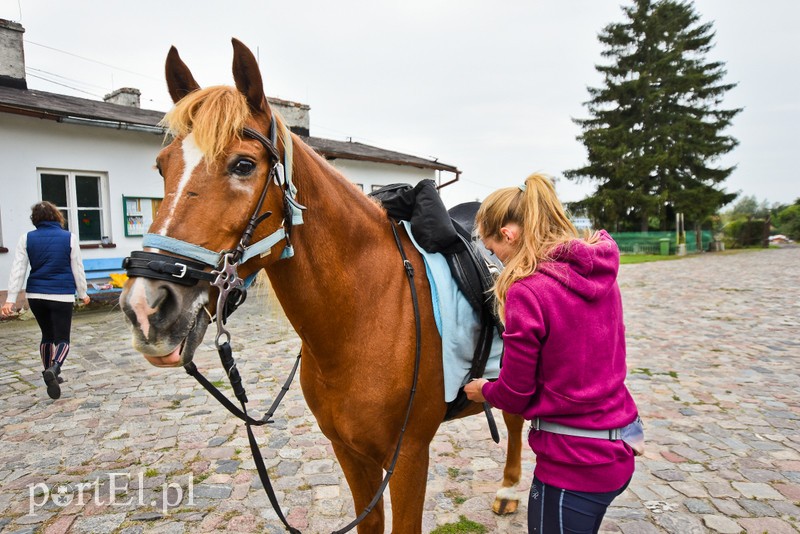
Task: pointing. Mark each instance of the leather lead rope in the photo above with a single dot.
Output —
(258, 459)
(226, 356)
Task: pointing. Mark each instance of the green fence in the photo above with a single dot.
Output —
(657, 242)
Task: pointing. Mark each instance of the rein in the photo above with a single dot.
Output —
(229, 365)
(190, 269)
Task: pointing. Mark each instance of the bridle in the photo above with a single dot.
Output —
(190, 268)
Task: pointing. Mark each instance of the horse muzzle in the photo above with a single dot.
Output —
(167, 320)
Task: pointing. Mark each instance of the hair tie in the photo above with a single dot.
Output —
(523, 187)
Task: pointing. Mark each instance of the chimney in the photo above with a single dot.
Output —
(294, 114)
(125, 96)
(12, 55)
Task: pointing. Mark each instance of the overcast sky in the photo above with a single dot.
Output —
(488, 86)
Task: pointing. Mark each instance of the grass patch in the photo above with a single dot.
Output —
(455, 496)
(464, 526)
(151, 472)
(626, 259)
(453, 472)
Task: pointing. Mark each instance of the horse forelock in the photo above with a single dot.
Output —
(215, 115)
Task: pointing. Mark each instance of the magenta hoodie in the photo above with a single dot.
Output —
(564, 362)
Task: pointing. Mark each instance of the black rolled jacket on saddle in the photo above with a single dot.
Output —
(450, 233)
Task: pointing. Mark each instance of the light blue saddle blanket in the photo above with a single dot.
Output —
(458, 324)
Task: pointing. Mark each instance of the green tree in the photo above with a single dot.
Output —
(788, 221)
(749, 221)
(749, 207)
(655, 126)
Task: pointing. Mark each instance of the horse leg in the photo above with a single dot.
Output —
(507, 498)
(407, 487)
(364, 477)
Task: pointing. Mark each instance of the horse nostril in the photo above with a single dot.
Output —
(161, 296)
(166, 303)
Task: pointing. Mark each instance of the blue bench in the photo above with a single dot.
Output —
(98, 271)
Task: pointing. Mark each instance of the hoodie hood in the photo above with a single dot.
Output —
(588, 270)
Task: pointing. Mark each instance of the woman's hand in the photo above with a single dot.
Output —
(474, 390)
(8, 309)
(86, 300)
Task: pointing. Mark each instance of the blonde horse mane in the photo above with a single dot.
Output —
(215, 115)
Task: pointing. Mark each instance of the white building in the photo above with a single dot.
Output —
(95, 160)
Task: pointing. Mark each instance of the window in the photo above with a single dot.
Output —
(82, 199)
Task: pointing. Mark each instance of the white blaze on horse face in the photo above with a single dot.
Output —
(192, 156)
(138, 303)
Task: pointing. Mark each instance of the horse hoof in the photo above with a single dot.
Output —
(505, 506)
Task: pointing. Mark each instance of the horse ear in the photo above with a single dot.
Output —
(248, 76)
(180, 81)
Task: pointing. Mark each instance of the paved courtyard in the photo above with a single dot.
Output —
(713, 354)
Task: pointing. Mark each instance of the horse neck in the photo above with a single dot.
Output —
(338, 249)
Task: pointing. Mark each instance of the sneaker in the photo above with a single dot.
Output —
(51, 380)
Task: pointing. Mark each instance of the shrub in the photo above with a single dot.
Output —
(744, 233)
(787, 222)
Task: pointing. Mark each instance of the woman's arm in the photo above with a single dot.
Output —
(76, 262)
(525, 330)
(18, 269)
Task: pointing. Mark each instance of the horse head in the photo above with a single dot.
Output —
(217, 170)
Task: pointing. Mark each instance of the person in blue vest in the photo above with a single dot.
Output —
(56, 274)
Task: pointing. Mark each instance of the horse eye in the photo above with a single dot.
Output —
(243, 167)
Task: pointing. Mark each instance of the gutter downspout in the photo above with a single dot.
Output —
(454, 180)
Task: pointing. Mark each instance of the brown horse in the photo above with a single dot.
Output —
(344, 290)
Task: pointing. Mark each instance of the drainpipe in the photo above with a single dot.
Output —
(454, 180)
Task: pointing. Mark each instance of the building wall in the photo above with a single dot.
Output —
(29, 144)
(127, 157)
(369, 174)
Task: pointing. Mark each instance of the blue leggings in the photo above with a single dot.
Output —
(553, 510)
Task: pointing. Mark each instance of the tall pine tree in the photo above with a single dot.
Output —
(655, 126)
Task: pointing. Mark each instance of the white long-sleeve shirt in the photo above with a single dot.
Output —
(20, 267)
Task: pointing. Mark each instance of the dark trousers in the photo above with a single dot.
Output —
(553, 510)
(55, 322)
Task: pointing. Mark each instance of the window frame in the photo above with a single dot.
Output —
(72, 207)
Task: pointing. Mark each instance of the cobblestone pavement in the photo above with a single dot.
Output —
(713, 363)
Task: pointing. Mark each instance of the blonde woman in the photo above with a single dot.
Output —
(564, 358)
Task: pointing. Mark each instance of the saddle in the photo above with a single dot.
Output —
(438, 230)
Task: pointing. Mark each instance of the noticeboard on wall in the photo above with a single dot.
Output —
(139, 214)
